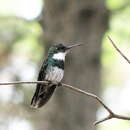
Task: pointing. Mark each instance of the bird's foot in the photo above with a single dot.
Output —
(48, 82)
(55, 83)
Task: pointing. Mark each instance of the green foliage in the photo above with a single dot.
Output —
(116, 4)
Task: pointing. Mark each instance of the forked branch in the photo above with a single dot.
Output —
(111, 114)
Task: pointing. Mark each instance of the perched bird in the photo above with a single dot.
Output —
(52, 70)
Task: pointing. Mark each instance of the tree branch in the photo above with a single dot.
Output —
(118, 50)
(24, 82)
(111, 114)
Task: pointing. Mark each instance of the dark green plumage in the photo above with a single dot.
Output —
(58, 63)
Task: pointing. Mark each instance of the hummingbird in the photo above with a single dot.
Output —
(52, 70)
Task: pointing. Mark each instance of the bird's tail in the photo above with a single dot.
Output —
(42, 95)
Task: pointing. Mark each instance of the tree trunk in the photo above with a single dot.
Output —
(75, 21)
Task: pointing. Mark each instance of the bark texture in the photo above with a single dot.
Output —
(75, 21)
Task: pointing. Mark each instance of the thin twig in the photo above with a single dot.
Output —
(24, 82)
(119, 50)
(111, 114)
(102, 120)
(88, 94)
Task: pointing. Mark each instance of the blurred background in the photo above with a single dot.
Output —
(29, 27)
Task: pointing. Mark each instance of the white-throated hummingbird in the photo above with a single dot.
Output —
(52, 71)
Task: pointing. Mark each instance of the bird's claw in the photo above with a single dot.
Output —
(56, 83)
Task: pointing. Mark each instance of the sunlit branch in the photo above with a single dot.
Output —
(111, 114)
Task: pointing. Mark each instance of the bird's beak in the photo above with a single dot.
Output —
(72, 46)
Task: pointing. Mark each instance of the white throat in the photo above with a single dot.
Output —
(59, 56)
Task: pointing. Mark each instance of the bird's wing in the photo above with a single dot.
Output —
(42, 93)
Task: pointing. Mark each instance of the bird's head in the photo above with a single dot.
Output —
(59, 51)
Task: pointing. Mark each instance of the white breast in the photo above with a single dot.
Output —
(55, 74)
(59, 56)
